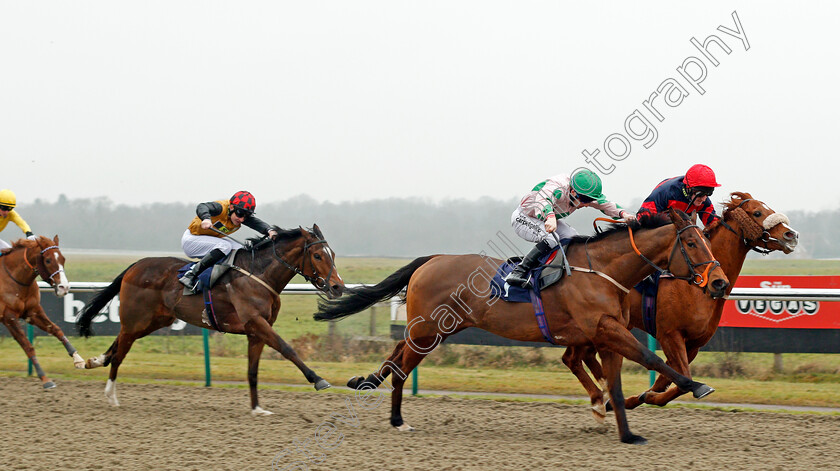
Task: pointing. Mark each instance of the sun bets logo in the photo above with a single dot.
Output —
(777, 311)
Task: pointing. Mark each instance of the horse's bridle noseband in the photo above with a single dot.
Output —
(765, 236)
(699, 279)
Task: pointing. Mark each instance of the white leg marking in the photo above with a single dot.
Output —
(111, 393)
(260, 412)
(78, 361)
(96, 362)
(405, 428)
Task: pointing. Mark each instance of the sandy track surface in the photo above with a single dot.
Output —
(161, 427)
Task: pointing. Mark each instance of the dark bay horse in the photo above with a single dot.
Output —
(449, 293)
(246, 301)
(20, 297)
(686, 319)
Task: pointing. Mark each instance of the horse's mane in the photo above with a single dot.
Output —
(646, 223)
(20, 244)
(283, 235)
(735, 199)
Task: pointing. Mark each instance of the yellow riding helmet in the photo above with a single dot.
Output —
(7, 198)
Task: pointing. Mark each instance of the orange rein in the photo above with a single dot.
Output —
(704, 277)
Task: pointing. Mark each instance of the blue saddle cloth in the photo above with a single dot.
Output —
(648, 288)
(204, 289)
(515, 294)
(203, 277)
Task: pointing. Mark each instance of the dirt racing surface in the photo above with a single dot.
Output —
(194, 428)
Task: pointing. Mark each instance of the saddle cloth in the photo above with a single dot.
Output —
(552, 268)
(210, 276)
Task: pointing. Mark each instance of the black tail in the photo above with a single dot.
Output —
(99, 301)
(358, 299)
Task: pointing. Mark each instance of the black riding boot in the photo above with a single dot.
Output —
(190, 278)
(519, 275)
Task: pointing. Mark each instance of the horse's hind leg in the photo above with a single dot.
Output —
(15, 329)
(120, 348)
(394, 362)
(573, 358)
(103, 359)
(412, 355)
(611, 363)
(255, 348)
(261, 329)
(39, 319)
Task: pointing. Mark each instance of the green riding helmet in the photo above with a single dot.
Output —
(588, 183)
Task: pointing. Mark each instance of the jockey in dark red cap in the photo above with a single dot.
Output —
(687, 193)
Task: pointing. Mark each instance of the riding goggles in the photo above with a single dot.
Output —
(241, 212)
(5, 208)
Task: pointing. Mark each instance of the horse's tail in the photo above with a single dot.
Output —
(99, 301)
(358, 299)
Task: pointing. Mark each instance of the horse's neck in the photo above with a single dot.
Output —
(730, 251)
(275, 270)
(17, 266)
(615, 256)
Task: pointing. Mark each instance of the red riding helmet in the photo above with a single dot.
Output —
(244, 201)
(700, 175)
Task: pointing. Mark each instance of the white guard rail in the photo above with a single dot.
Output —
(770, 294)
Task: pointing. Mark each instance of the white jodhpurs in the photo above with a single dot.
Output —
(533, 230)
(4, 244)
(197, 246)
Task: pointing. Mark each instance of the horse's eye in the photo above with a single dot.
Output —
(692, 244)
(317, 256)
(756, 213)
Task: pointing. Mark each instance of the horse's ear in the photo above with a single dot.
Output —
(694, 217)
(55, 239)
(303, 231)
(317, 231)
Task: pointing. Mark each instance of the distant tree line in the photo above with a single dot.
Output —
(396, 227)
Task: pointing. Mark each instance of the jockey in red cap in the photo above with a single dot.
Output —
(687, 193)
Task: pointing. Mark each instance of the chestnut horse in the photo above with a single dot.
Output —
(449, 293)
(686, 319)
(20, 297)
(246, 301)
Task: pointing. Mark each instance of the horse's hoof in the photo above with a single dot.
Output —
(322, 384)
(405, 428)
(703, 391)
(355, 381)
(78, 361)
(599, 413)
(49, 385)
(634, 440)
(260, 412)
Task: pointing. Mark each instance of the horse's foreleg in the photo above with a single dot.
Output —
(612, 370)
(255, 348)
(39, 319)
(261, 329)
(573, 358)
(612, 335)
(660, 394)
(15, 329)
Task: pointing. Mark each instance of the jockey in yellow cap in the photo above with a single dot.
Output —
(8, 201)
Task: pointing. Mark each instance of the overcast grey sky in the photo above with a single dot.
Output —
(161, 101)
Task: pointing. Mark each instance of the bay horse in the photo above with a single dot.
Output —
(686, 319)
(20, 296)
(448, 293)
(246, 301)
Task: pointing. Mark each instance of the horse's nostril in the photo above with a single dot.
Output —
(790, 235)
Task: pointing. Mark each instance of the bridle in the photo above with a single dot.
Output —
(698, 278)
(317, 281)
(38, 269)
(742, 217)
